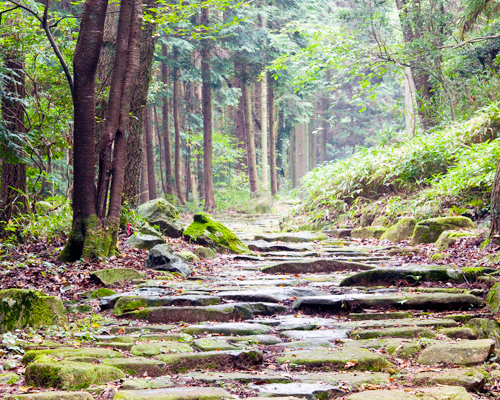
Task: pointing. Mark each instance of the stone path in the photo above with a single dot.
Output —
(323, 322)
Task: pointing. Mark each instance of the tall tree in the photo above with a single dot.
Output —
(169, 178)
(13, 192)
(177, 134)
(208, 179)
(150, 154)
(272, 137)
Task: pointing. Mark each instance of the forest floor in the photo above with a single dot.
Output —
(279, 323)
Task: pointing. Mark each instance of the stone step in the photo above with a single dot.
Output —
(356, 303)
(272, 295)
(415, 393)
(311, 391)
(228, 329)
(320, 265)
(465, 352)
(300, 237)
(263, 246)
(130, 303)
(178, 393)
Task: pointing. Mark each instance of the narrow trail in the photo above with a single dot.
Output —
(309, 316)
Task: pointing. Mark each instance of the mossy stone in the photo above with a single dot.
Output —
(157, 209)
(447, 238)
(145, 239)
(205, 231)
(484, 328)
(20, 308)
(113, 276)
(381, 221)
(465, 352)
(214, 345)
(368, 232)
(153, 349)
(470, 379)
(138, 366)
(102, 292)
(402, 230)
(66, 352)
(177, 393)
(428, 231)
(204, 252)
(49, 373)
(493, 298)
(459, 333)
(189, 256)
(404, 332)
(9, 378)
(404, 350)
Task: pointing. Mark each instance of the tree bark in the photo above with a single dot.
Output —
(292, 157)
(251, 156)
(272, 137)
(177, 144)
(13, 192)
(264, 123)
(85, 62)
(150, 154)
(144, 197)
(169, 178)
(494, 237)
(206, 94)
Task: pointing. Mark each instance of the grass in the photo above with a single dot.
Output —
(447, 171)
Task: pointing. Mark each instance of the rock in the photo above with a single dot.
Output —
(493, 298)
(459, 333)
(339, 233)
(423, 301)
(164, 347)
(255, 339)
(351, 379)
(323, 334)
(189, 256)
(466, 352)
(47, 372)
(71, 352)
(236, 329)
(262, 245)
(138, 366)
(217, 313)
(178, 393)
(402, 230)
(9, 378)
(301, 237)
(362, 360)
(381, 221)
(380, 316)
(407, 332)
(214, 377)
(485, 328)
(131, 303)
(261, 202)
(368, 232)
(20, 308)
(148, 383)
(212, 360)
(161, 213)
(145, 241)
(311, 391)
(102, 292)
(214, 345)
(113, 276)
(447, 238)
(433, 393)
(272, 295)
(467, 378)
(206, 231)
(162, 258)
(50, 396)
(387, 276)
(428, 231)
(319, 265)
(204, 252)
(109, 302)
(11, 364)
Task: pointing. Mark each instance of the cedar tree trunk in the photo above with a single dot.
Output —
(150, 154)
(272, 137)
(166, 129)
(177, 144)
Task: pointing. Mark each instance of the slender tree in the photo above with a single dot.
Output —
(272, 137)
(169, 178)
(150, 154)
(177, 133)
(208, 179)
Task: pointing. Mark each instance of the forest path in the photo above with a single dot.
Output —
(309, 316)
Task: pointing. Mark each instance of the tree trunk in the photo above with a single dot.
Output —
(150, 154)
(251, 157)
(292, 157)
(81, 241)
(272, 137)
(324, 127)
(206, 90)
(300, 151)
(160, 150)
(177, 144)
(144, 173)
(494, 237)
(169, 178)
(264, 122)
(13, 192)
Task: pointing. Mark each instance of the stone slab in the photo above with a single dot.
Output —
(465, 352)
(433, 393)
(228, 329)
(310, 391)
(319, 265)
(179, 393)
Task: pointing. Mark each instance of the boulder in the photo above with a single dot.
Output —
(162, 258)
(465, 352)
(447, 238)
(20, 308)
(493, 298)
(113, 276)
(368, 232)
(402, 230)
(145, 239)
(261, 202)
(205, 231)
(381, 221)
(189, 256)
(204, 252)
(161, 213)
(428, 231)
(484, 328)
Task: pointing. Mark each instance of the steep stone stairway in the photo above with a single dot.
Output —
(307, 316)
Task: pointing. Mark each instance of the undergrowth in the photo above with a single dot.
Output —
(447, 171)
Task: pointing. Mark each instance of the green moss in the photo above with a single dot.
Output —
(439, 256)
(9, 378)
(493, 298)
(369, 232)
(206, 231)
(402, 230)
(66, 352)
(48, 372)
(20, 308)
(428, 231)
(114, 276)
(102, 292)
(189, 256)
(157, 209)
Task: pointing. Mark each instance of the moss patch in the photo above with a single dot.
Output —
(21, 308)
(402, 230)
(428, 231)
(101, 292)
(369, 232)
(113, 276)
(207, 232)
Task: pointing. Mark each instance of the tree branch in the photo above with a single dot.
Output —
(474, 40)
